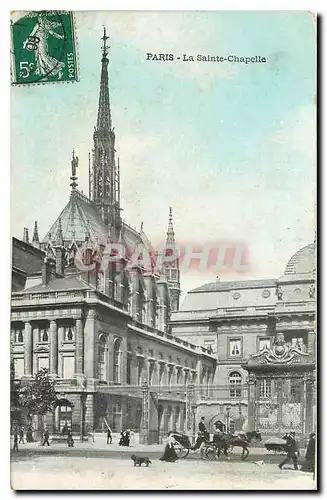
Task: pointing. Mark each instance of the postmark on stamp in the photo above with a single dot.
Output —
(44, 48)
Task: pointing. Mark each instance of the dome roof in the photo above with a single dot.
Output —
(303, 261)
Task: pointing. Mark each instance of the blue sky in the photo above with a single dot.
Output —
(230, 147)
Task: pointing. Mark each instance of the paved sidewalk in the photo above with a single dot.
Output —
(48, 472)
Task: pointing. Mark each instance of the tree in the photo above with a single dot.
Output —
(38, 396)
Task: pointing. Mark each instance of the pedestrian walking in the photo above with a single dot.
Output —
(292, 448)
(21, 436)
(46, 438)
(310, 456)
(70, 440)
(109, 436)
(15, 447)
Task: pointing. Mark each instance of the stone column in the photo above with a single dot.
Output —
(135, 295)
(198, 372)
(279, 387)
(252, 402)
(123, 360)
(79, 347)
(89, 413)
(28, 350)
(89, 345)
(309, 384)
(311, 342)
(145, 414)
(53, 344)
(36, 337)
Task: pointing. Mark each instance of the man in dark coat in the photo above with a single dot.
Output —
(203, 429)
(109, 436)
(70, 440)
(310, 456)
(46, 438)
(292, 448)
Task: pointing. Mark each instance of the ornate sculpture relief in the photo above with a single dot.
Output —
(279, 293)
(280, 352)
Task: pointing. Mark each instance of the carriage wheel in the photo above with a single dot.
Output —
(181, 452)
(211, 453)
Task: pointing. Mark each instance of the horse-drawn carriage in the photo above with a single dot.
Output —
(211, 450)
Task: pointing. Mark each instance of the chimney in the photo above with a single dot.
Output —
(60, 261)
(45, 272)
(25, 237)
(52, 270)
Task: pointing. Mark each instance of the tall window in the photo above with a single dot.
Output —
(264, 344)
(19, 336)
(161, 372)
(296, 390)
(68, 366)
(139, 371)
(186, 374)
(129, 369)
(235, 381)
(170, 374)
(19, 367)
(69, 334)
(178, 376)
(44, 337)
(265, 388)
(117, 354)
(151, 370)
(43, 362)
(234, 347)
(103, 358)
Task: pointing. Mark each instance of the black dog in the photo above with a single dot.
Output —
(140, 460)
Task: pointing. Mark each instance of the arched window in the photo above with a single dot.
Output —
(117, 354)
(186, 377)
(103, 358)
(235, 381)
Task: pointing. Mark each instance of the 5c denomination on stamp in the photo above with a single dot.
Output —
(44, 48)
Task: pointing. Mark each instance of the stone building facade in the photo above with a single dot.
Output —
(240, 320)
(102, 331)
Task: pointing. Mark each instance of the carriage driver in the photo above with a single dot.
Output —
(203, 430)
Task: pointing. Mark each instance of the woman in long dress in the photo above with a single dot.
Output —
(170, 454)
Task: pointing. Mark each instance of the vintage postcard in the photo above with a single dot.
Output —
(163, 221)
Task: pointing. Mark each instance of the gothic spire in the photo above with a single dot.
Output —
(104, 182)
(74, 164)
(104, 116)
(36, 240)
(170, 233)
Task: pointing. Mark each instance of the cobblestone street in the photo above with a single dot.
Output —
(87, 466)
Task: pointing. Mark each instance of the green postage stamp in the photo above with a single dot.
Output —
(44, 48)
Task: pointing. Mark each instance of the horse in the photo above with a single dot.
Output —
(242, 440)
